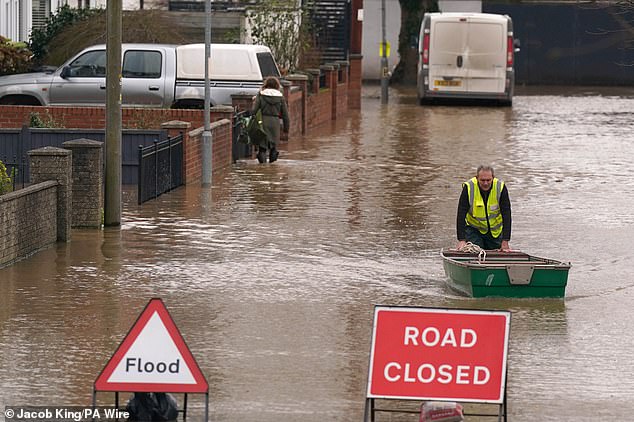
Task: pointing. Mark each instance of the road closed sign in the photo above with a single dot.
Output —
(438, 354)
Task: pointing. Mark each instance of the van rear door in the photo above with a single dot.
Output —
(448, 42)
(467, 54)
(486, 54)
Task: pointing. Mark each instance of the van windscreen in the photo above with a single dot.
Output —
(267, 65)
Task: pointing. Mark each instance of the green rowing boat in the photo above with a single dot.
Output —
(504, 274)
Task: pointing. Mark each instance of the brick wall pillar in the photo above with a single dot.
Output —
(175, 128)
(286, 91)
(242, 102)
(87, 193)
(354, 84)
(50, 163)
(344, 66)
(331, 71)
(302, 82)
(221, 112)
(315, 75)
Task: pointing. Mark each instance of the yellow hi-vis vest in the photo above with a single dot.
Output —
(477, 214)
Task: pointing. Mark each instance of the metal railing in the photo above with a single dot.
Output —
(15, 170)
(160, 168)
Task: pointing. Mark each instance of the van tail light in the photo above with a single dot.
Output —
(425, 54)
(509, 51)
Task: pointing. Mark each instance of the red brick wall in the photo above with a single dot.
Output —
(220, 150)
(342, 100)
(221, 146)
(193, 168)
(319, 108)
(328, 104)
(151, 118)
(95, 117)
(294, 102)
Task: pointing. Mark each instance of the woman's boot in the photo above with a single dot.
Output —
(273, 154)
(261, 155)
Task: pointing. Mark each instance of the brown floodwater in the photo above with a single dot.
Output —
(272, 274)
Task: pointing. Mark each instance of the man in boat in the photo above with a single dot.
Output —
(488, 226)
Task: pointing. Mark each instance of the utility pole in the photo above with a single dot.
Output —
(112, 197)
(384, 66)
(207, 141)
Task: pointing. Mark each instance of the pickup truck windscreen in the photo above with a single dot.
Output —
(89, 65)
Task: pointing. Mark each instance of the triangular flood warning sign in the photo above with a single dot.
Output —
(153, 358)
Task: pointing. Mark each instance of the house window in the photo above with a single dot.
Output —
(41, 12)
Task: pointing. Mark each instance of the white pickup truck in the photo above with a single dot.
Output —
(153, 75)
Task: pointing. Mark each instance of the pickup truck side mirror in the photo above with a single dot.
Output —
(516, 45)
(65, 72)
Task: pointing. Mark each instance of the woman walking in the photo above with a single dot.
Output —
(271, 102)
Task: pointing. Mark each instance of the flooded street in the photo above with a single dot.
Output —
(272, 274)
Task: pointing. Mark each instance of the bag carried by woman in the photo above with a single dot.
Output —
(255, 130)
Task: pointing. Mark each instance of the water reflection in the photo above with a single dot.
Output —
(272, 273)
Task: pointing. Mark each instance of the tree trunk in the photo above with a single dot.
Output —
(412, 12)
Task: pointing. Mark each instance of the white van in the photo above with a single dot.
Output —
(466, 55)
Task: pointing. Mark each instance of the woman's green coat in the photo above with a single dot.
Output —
(271, 102)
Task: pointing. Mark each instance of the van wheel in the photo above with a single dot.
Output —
(425, 101)
(506, 103)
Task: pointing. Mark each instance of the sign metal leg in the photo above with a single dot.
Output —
(207, 407)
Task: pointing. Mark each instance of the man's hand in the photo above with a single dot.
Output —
(461, 244)
(505, 246)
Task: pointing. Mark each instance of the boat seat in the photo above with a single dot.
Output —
(504, 263)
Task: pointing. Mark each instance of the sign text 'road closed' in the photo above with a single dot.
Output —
(438, 354)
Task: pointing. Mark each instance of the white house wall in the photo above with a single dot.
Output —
(10, 19)
(474, 6)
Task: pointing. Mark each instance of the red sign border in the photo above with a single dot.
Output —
(154, 305)
(506, 314)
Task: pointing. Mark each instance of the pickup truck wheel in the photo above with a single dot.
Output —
(19, 100)
(191, 104)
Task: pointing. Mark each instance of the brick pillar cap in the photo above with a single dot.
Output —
(356, 56)
(219, 123)
(284, 82)
(327, 67)
(176, 124)
(343, 62)
(241, 96)
(49, 151)
(297, 77)
(333, 64)
(313, 71)
(222, 109)
(82, 143)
